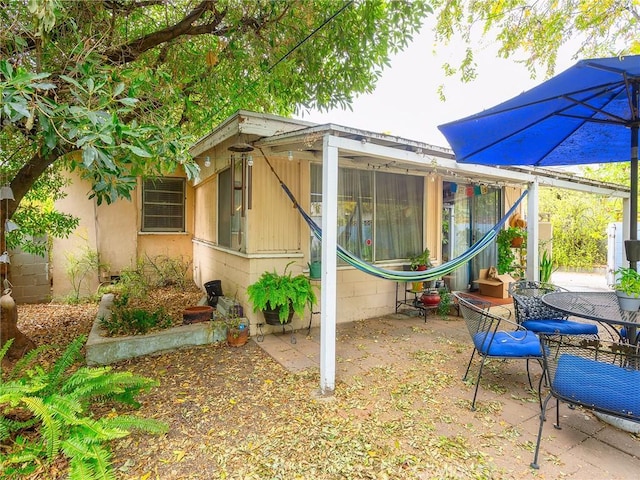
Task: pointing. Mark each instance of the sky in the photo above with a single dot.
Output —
(406, 102)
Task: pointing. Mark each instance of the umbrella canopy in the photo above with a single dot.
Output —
(583, 115)
(586, 114)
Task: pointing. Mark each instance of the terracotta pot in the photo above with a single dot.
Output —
(517, 242)
(197, 314)
(236, 337)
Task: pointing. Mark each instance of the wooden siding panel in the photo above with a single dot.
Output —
(275, 222)
(206, 210)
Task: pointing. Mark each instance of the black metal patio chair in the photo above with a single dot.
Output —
(599, 375)
(534, 315)
(494, 336)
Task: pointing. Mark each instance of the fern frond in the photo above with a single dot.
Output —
(79, 469)
(102, 462)
(13, 391)
(3, 351)
(129, 422)
(88, 461)
(70, 356)
(26, 361)
(101, 383)
(51, 428)
(97, 431)
(8, 426)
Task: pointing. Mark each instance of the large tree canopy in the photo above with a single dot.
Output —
(532, 32)
(120, 88)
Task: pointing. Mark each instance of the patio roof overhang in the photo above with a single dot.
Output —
(396, 153)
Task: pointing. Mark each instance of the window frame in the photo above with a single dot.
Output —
(180, 225)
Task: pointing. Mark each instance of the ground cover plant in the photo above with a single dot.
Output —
(46, 414)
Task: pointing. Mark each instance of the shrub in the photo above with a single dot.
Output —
(124, 320)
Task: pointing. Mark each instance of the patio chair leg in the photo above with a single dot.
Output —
(469, 365)
(557, 424)
(534, 463)
(475, 394)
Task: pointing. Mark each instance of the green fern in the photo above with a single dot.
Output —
(58, 401)
(26, 362)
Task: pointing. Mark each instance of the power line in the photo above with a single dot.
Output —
(283, 58)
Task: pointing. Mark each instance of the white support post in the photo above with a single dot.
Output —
(533, 260)
(329, 267)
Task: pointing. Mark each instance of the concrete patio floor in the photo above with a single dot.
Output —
(585, 447)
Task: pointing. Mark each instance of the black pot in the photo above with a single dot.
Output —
(214, 290)
(632, 249)
(272, 317)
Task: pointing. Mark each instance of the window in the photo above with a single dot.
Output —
(380, 214)
(231, 206)
(163, 204)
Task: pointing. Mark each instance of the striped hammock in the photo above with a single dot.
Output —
(400, 275)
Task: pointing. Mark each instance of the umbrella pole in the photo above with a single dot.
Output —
(633, 204)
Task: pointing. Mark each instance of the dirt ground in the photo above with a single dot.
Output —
(236, 413)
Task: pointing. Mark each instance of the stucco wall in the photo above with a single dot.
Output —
(113, 231)
(76, 203)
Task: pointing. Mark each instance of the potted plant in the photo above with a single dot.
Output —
(546, 267)
(237, 330)
(446, 302)
(420, 262)
(278, 296)
(627, 288)
(219, 328)
(506, 255)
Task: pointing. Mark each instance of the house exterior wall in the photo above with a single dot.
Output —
(83, 237)
(114, 232)
(277, 235)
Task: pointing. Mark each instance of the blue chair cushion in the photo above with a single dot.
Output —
(603, 386)
(521, 343)
(623, 334)
(560, 327)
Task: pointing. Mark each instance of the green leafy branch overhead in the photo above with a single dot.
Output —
(118, 90)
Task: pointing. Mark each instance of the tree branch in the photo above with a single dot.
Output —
(131, 51)
(28, 174)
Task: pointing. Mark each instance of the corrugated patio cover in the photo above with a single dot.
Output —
(580, 116)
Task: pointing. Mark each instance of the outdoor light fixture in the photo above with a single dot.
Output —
(250, 160)
(6, 193)
(207, 161)
(10, 226)
(4, 258)
(290, 155)
(241, 147)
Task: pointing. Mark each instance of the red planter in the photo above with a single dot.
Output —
(197, 314)
(430, 299)
(517, 242)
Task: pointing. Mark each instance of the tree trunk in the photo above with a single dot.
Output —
(9, 328)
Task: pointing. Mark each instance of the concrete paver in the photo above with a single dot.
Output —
(585, 447)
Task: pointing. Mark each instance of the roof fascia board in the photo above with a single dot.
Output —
(250, 123)
(426, 160)
(314, 134)
(582, 187)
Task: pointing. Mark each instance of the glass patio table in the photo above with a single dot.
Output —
(599, 306)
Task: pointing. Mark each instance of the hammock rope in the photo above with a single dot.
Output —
(399, 275)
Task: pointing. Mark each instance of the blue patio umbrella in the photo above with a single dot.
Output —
(586, 114)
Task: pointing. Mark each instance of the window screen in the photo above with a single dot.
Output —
(163, 205)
